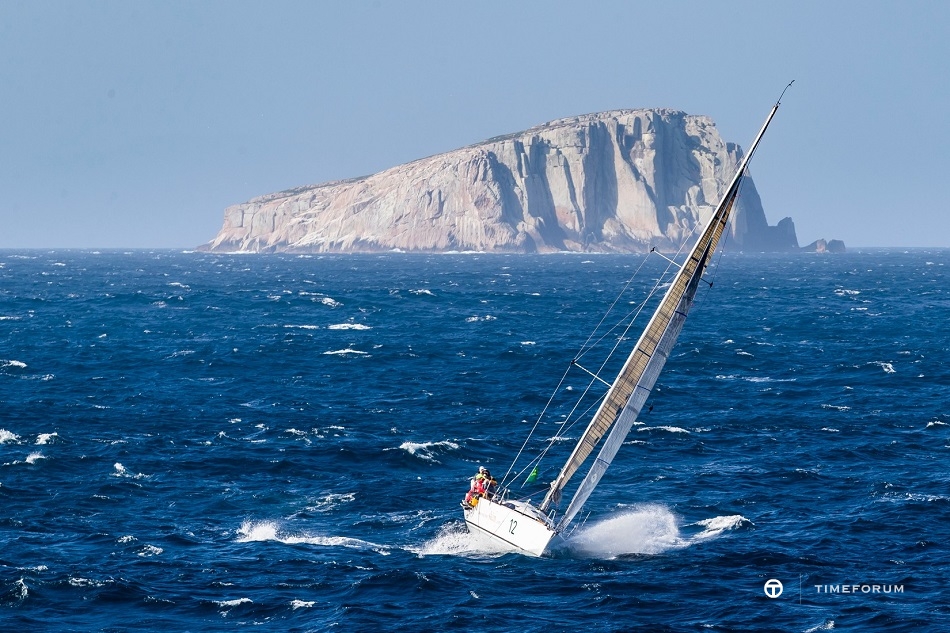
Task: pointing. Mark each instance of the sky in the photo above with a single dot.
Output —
(133, 124)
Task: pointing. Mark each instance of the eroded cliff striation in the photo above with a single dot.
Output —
(619, 181)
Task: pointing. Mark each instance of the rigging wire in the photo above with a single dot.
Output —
(580, 353)
(570, 419)
(586, 347)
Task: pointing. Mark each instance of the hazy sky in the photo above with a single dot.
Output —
(134, 124)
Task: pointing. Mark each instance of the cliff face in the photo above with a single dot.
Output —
(620, 181)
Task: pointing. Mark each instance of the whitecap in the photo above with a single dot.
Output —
(32, 458)
(151, 550)
(12, 363)
(327, 301)
(340, 352)
(767, 379)
(120, 471)
(303, 327)
(87, 582)
(936, 423)
(232, 603)
(426, 450)
(528, 343)
(717, 525)
(830, 430)
(331, 501)
(911, 496)
(301, 604)
(7, 436)
(349, 326)
(671, 429)
(44, 438)
(887, 367)
(422, 291)
(836, 407)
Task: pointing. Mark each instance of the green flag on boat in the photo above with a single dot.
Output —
(533, 477)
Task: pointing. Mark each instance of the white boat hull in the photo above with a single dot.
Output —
(513, 525)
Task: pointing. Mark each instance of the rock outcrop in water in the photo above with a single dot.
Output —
(619, 181)
(823, 246)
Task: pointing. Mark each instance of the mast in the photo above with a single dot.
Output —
(633, 385)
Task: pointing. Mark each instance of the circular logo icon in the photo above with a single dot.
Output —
(773, 588)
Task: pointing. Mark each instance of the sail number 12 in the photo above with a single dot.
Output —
(512, 524)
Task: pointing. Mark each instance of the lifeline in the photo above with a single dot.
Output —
(859, 588)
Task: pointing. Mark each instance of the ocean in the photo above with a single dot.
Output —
(211, 442)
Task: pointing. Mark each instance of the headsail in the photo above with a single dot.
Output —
(630, 390)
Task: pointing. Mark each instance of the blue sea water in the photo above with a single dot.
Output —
(199, 442)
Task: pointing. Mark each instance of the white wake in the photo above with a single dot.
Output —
(646, 529)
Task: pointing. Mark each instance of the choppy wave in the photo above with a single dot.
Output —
(45, 438)
(121, 471)
(428, 451)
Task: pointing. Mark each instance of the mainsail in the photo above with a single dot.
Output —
(628, 393)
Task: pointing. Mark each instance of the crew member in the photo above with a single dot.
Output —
(477, 488)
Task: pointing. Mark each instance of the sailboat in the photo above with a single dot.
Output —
(520, 525)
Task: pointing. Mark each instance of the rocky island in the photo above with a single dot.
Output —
(617, 181)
